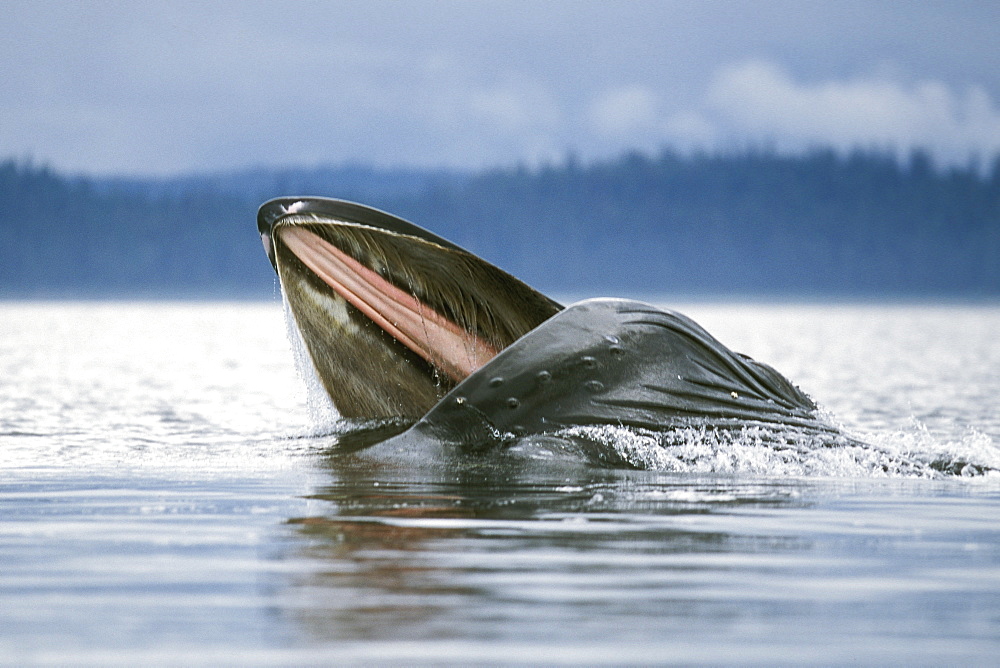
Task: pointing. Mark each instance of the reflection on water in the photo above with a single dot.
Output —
(611, 562)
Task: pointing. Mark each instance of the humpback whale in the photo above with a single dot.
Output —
(425, 340)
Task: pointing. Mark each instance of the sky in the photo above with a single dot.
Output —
(162, 88)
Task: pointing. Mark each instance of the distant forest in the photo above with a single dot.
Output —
(752, 224)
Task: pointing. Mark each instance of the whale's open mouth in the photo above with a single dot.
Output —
(439, 341)
(413, 314)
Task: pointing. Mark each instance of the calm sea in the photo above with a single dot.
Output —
(167, 497)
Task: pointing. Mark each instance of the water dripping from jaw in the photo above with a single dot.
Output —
(323, 415)
(474, 326)
(438, 383)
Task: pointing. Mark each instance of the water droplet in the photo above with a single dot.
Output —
(616, 350)
(496, 382)
(594, 385)
(460, 401)
(543, 376)
(512, 402)
(588, 361)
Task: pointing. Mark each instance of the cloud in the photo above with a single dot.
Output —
(690, 130)
(760, 101)
(624, 111)
(119, 87)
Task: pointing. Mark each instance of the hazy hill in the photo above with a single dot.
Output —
(755, 224)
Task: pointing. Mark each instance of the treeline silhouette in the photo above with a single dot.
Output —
(753, 223)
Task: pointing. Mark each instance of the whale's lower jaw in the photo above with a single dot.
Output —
(617, 362)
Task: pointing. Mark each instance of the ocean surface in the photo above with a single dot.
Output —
(168, 496)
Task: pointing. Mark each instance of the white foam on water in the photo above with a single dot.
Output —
(761, 450)
(972, 453)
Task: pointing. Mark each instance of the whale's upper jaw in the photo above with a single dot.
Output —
(333, 210)
(392, 315)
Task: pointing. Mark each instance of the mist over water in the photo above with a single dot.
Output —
(167, 496)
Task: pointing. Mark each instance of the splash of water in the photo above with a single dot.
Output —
(760, 450)
(323, 416)
(972, 453)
